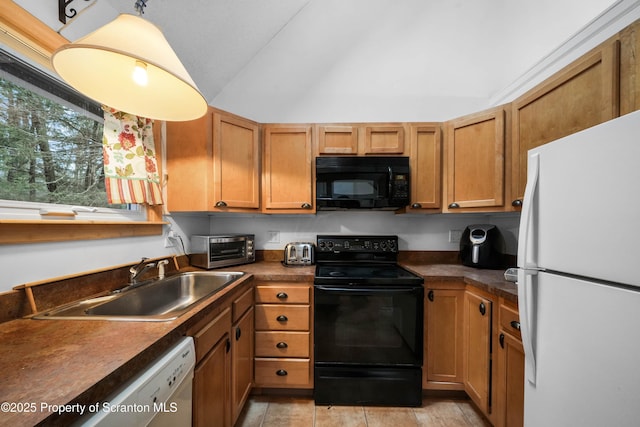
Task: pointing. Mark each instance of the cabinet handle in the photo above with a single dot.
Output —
(306, 206)
(281, 373)
(228, 345)
(517, 203)
(430, 295)
(282, 295)
(483, 308)
(501, 340)
(238, 333)
(282, 318)
(453, 205)
(416, 206)
(221, 204)
(515, 325)
(282, 344)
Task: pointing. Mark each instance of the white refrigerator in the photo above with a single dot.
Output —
(579, 278)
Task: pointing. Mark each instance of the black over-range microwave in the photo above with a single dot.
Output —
(362, 183)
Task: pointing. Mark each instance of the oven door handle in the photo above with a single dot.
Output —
(369, 290)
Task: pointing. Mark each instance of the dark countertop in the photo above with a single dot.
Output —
(57, 362)
(491, 281)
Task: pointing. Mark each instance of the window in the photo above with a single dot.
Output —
(50, 148)
(51, 172)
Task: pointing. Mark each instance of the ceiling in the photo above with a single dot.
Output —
(357, 60)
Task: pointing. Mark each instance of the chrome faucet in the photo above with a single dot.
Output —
(137, 270)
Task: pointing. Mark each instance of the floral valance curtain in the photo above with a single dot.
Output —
(130, 167)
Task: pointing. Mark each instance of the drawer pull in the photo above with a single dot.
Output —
(515, 325)
(282, 344)
(221, 204)
(282, 318)
(282, 295)
(281, 373)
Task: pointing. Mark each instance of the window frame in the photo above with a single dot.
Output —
(64, 224)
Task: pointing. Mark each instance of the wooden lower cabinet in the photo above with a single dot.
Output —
(477, 353)
(242, 350)
(443, 336)
(283, 335)
(509, 378)
(223, 375)
(212, 378)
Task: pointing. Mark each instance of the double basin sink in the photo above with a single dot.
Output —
(155, 300)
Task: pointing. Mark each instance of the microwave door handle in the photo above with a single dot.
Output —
(390, 181)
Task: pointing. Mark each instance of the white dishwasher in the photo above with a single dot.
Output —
(159, 396)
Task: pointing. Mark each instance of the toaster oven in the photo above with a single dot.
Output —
(222, 250)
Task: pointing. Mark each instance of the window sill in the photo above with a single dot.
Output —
(40, 231)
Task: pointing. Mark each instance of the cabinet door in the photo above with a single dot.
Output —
(477, 354)
(443, 339)
(510, 367)
(242, 349)
(384, 139)
(426, 160)
(189, 168)
(211, 387)
(288, 171)
(580, 96)
(236, 164)
(475, 150)
(337, 140)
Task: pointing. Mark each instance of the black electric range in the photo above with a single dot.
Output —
(368, 323)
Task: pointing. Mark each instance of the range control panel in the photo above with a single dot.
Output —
(357, 244)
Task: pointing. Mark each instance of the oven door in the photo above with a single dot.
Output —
(362, 325)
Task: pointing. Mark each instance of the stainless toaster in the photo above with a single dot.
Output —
(299, 253)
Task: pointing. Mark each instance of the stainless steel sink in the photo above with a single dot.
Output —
(156, 300)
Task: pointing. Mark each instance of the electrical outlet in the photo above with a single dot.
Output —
(169, 238)
(273, 237)
(455, 236)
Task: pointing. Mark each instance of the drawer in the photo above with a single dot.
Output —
(280, 317)
(283, 293)
(510, 321)
(282, 372)
(211, 333)
(242, 304)
(282, 344)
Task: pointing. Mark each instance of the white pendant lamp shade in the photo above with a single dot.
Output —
(128, 65)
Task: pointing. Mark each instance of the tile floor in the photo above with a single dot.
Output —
(264, 411)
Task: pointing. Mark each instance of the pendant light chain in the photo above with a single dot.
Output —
(140, 5)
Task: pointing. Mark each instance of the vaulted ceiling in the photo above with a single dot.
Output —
(352, 60)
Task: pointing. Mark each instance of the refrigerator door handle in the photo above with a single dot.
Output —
(526, 308)
(526, 235)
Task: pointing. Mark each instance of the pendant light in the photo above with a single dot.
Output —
(129, 65)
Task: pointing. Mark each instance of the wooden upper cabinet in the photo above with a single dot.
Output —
(426, 160)
(288, 184)
(384, 139)
(213, 164)
(630, 69)
(189, 166)
(338, 139)
(236, 164)
(475, 162)
(581, 95)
